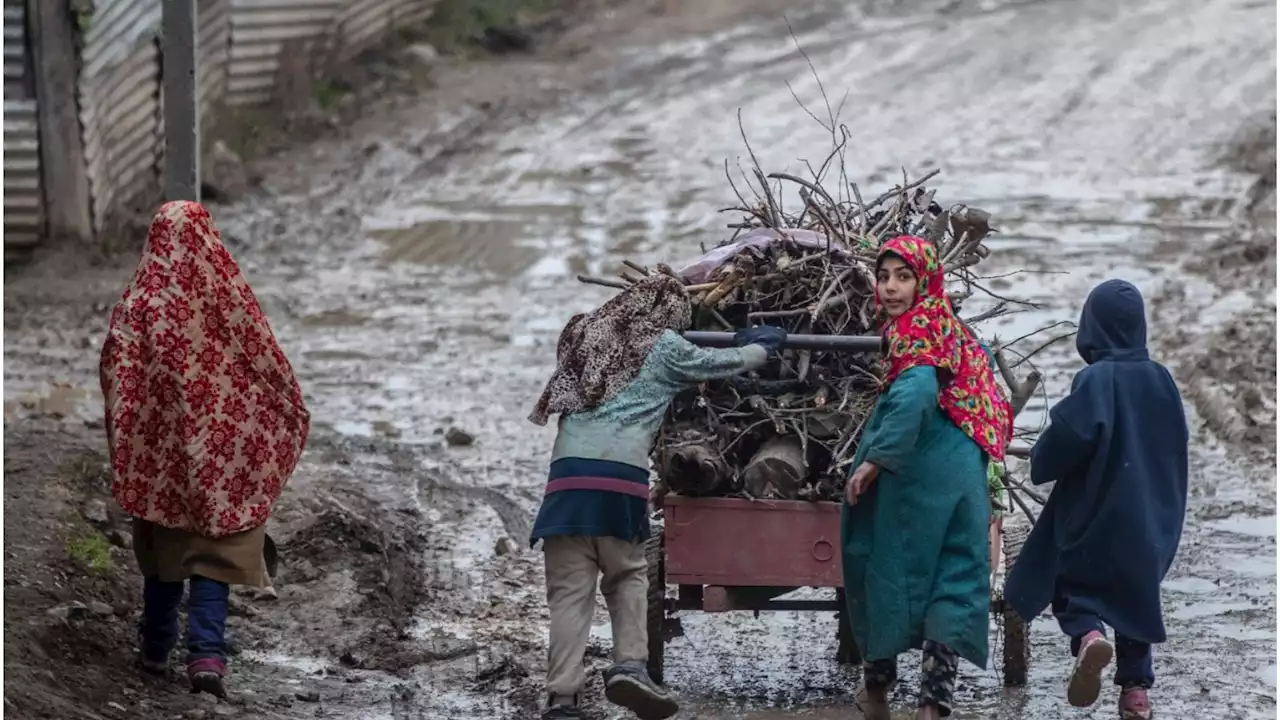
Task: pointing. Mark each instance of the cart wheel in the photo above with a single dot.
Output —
(1017, 644)
(657, 612)
(847, 652)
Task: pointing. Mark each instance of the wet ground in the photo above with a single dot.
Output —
(418, 271)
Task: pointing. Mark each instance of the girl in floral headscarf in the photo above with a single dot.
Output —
(617, 370)
(914, 528)
(205, 423)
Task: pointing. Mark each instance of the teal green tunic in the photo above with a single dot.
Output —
(916, 560)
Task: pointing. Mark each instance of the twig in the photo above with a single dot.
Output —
(827, 101)
(827, 223)
(993, 312)
(700, 287)
(1021, 391)
(720, 319)
(637, 267)
(767, 314)
(1029, 492)
(1051, 342)
(927, 177)
(862, 209)
(1022, 504)
(962, 263)
(603, 282)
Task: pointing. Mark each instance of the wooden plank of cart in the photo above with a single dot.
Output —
(729, 554)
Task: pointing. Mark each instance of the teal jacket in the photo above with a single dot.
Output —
(624, 428)
(916, 559)
(598, 482)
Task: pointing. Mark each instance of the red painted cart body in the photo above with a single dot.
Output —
(735, 554)
(729, 542)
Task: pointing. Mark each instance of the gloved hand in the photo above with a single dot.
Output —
(766, 336)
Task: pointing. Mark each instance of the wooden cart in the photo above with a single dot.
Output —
(725, 554)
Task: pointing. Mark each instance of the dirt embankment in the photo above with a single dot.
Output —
(1230, 371)
(72, 596)
(355, 572)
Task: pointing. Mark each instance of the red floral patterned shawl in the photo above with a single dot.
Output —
(929, 334)
(205, 420)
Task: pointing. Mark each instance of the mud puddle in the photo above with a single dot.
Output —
(417, 294)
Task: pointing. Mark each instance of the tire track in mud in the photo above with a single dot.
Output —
(516, 519)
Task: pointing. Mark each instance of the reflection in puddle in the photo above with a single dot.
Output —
(307, 665)
(1253, 526)
(57, 401)
(334, 318)
(489, 245)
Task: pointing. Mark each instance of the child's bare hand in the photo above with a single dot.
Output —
(860, 481)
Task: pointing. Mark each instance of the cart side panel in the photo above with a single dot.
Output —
(735, 542)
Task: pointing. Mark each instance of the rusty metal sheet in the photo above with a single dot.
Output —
(115, 30)
(119, 96)
(214, 48)
(325, 29)
(23, 195)
(17, 73)
(366, 23)
(23, 200)
(260, 30)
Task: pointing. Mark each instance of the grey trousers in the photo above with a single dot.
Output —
(574, 563)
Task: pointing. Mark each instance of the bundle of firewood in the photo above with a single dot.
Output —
(790, 430)
(802, 257)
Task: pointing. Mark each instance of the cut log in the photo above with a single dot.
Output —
(693, 469)
(778, 468)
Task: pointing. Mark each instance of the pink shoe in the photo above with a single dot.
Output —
(1086, 677)
(206, 676)
(1134, 704)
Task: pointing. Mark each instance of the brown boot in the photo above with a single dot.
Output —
(873, 704)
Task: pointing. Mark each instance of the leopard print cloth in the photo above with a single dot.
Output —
(601, 352)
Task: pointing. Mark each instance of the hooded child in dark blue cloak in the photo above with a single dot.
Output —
(1116, 447)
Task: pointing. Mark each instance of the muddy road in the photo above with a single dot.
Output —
(418, 270)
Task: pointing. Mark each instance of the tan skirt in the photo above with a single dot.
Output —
(175, 555)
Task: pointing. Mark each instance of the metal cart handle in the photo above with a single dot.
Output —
(832, 343)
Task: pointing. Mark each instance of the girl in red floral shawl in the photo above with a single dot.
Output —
(205, 423)
(915, 521)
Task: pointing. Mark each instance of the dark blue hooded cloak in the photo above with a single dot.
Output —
(1117, 448)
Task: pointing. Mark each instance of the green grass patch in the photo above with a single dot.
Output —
(87, 470)
(247, 130)
(456, 23)
(328, 92)
(91, 552)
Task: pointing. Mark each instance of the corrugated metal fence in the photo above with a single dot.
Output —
(119, 89)
(23, 198)
(272, 41)
(247, 52)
